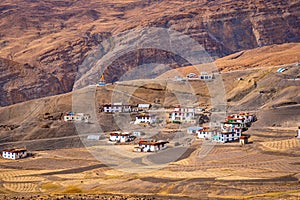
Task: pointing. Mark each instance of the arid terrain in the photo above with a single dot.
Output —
(53, 53)
(66, 166)
(50, 40)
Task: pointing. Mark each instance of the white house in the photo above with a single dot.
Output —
(144, 107)
(183, 115)
(245, 119)
(191, 75)
(150, 146)
(78, 117)
(206, 76)
(117, 107)
(120, 137)
(205, 133)
(145, 118)
(138, 133)
(299, 132)
(224, 137)
(231, 126)
(14, 153)
(194, 129)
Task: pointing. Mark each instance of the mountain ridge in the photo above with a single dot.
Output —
(57, 36)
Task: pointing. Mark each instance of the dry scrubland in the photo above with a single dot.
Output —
(267, 168)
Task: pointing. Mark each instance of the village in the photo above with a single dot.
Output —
(191, 121)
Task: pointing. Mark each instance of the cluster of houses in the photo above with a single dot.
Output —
(124, 108)
(204, 76)
(144, 145)
(231, 129)
(177, 115)
(121, 137)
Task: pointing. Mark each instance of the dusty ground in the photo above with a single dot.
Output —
(259, 170)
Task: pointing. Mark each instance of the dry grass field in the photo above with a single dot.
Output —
(227, 171)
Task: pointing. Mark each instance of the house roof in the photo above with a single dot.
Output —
(230, 123)
(227, 133)
(115, 105)
(12, 150)
(144, 105)
(235, 118)
(144, 115)
(119, 134)
(145, 142)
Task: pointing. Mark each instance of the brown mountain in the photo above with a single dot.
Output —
(43, 43)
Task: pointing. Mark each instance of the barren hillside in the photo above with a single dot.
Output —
(53, 38)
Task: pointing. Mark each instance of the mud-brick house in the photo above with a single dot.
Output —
(183, 115)
(150, 146)
(120, 137)
(14, 153)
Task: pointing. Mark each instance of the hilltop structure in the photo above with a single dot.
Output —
(102, 81)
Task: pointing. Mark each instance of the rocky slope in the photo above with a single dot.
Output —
(55, 37)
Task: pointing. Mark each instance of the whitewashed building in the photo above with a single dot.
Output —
(78, 117)
(117, 108)
(14, 154)
(182, 114)
(299, 132)
(231, 126)
(206, 76)
(143, 107)
(206, 133)
(245, 119)
(194, 129)
(150, 146)
(145, 118)
(191, 75)
(224, 137)
(120, 137)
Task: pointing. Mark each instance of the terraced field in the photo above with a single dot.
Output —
(282, 145)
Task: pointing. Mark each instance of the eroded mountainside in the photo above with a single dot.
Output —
(50, 39)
